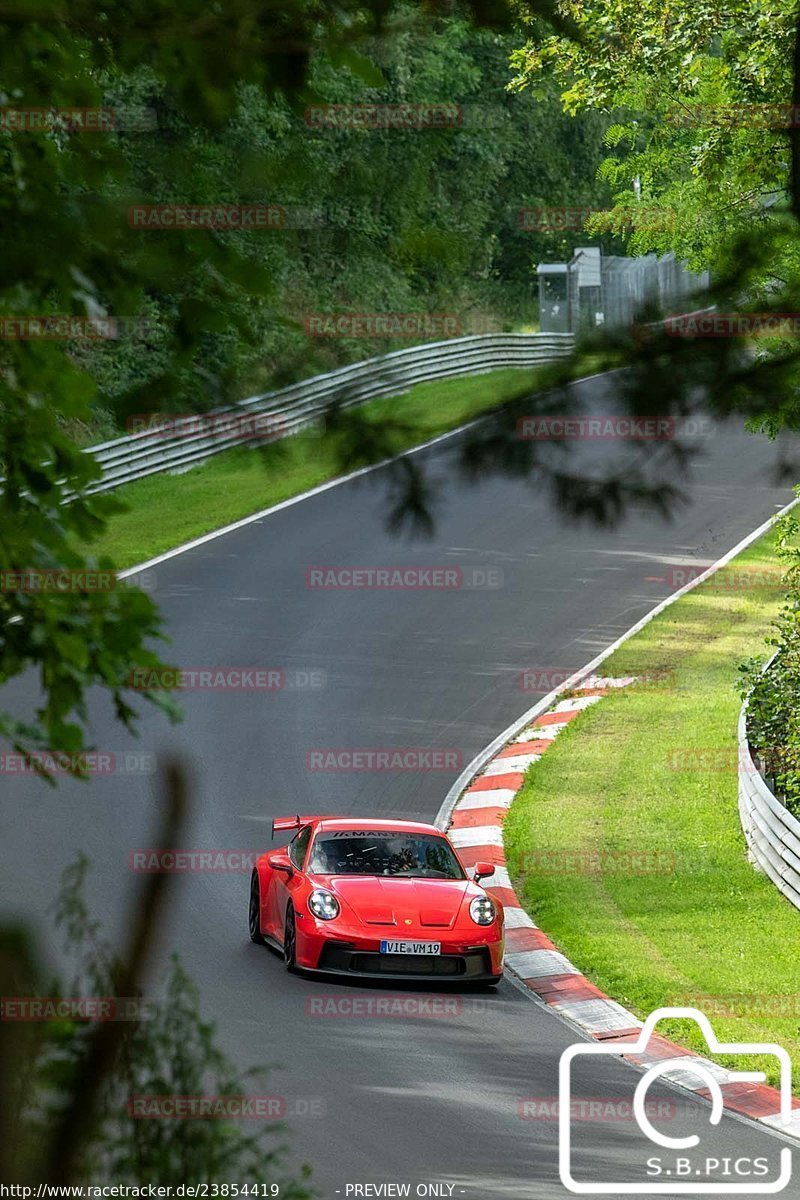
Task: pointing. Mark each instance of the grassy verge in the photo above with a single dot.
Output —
(700, 925)
(166, 510)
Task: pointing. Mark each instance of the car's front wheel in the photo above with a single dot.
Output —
(254, 911)
(290, 941)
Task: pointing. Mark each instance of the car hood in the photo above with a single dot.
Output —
(376, 900)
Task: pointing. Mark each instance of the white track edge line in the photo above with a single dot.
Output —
(320, 488)
(482, 757)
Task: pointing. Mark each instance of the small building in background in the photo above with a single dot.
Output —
(592, 289)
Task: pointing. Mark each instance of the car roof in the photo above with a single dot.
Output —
(372, 825)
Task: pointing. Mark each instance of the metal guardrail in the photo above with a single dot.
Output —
(772, 833)
(275, 415)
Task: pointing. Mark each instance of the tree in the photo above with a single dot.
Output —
(192, 106)
(76, 1095)
(696, 91)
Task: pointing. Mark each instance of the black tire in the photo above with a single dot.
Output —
(254, 911)
(290, 941)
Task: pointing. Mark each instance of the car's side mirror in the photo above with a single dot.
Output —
(281, 862)
(483, 870)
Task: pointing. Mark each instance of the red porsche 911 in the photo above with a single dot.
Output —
(381, 899)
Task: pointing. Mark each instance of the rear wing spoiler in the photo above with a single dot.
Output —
(282, 823)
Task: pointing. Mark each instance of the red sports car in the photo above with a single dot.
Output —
(381, 899)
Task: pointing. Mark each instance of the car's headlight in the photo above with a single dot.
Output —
(323, 904)
(482, 910)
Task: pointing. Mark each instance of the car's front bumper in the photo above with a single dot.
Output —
(471, 966)
(349, 952)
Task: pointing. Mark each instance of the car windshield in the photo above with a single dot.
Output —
(361, 852)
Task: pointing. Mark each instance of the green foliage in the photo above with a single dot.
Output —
(656, 67)
(699, 153)
(361, 235)
(773, 713)
(171, 1051)
(208, 108)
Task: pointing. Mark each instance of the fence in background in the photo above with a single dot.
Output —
(594, 290)
(302, 405)
(772, 833)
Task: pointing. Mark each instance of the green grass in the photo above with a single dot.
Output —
(711, 926)
(166, 510)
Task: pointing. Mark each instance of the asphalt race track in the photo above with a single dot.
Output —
(401, 1099)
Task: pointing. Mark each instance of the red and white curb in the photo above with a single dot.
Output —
(475, 827)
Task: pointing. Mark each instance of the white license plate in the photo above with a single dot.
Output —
(411, 947)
